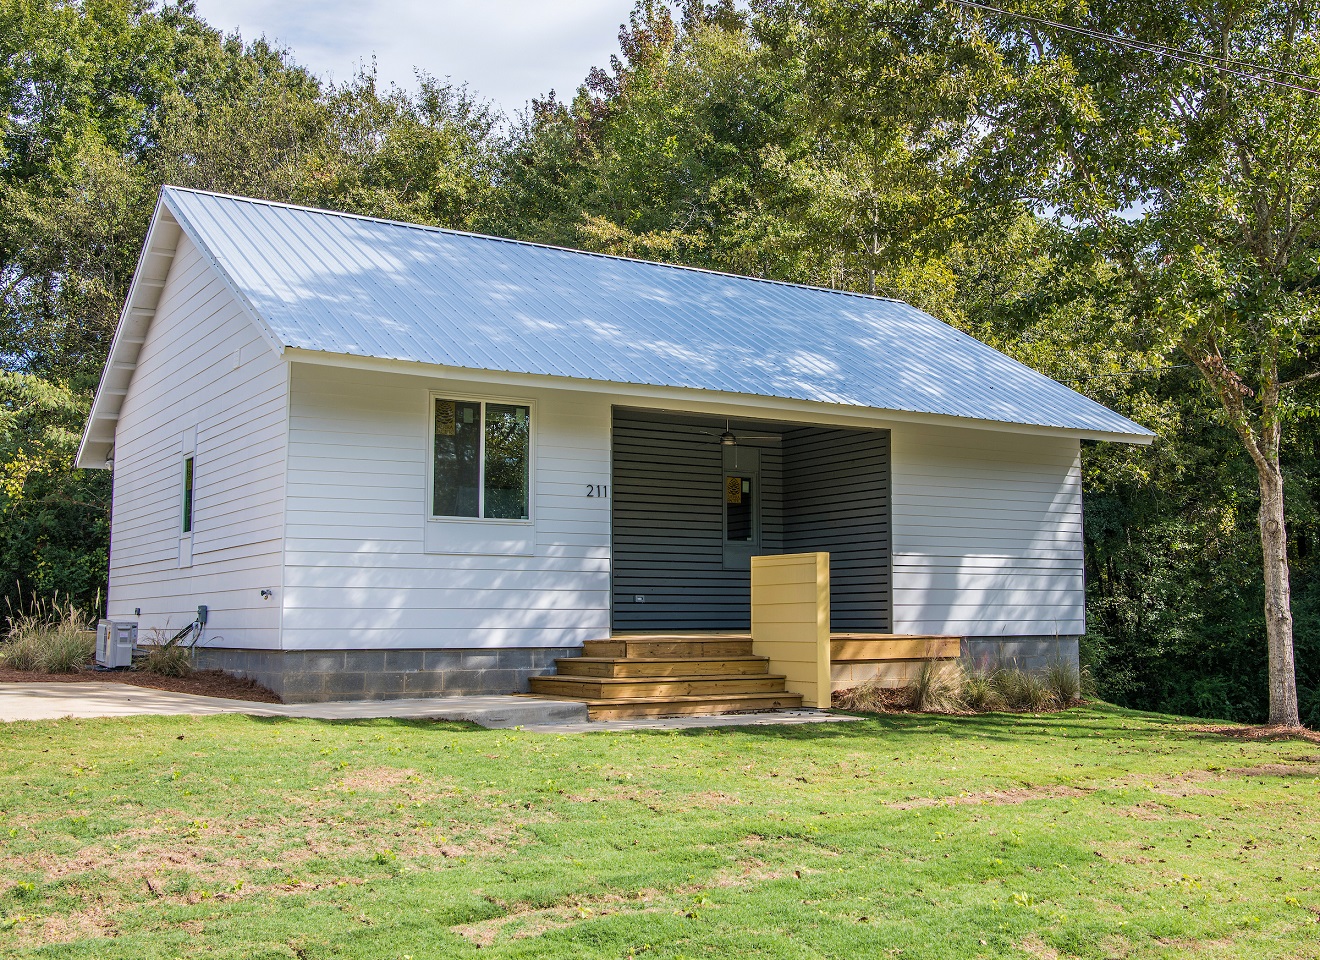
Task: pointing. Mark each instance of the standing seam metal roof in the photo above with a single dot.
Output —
(353, 285)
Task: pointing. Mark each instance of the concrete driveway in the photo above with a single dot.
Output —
(53, 701)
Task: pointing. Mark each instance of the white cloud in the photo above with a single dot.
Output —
(507, 50)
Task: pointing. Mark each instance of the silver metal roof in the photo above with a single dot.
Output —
(353, 285)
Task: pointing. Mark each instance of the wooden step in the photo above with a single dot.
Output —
(615, 688)
(670, 646)
(688, 706)
(662, 667)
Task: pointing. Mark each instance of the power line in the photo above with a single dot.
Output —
(1192, 57)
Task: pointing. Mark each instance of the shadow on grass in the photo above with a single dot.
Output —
(1093, 720)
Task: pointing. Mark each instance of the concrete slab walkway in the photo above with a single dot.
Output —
(52, 701)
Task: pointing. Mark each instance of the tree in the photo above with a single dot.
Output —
(1202, 186)
(1205, 187)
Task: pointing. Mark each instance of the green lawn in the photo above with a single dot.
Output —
(1094, 833)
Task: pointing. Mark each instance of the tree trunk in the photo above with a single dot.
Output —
(1278, 599)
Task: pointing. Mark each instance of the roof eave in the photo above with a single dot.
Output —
(168, 225)
(144, 291)
(659, 393)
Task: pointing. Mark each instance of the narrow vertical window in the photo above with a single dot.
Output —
(457, 459)
(187, 494)
(506, 461)
(738, 519)
(481, 460)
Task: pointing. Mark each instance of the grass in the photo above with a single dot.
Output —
(1094, 832)
(168, 660)
(48, 638)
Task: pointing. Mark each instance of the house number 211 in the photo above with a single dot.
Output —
(598, 490)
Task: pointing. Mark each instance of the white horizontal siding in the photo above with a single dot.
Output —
(987, 531)
(204, 367)
(357, 572)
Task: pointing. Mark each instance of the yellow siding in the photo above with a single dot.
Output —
(791, 621)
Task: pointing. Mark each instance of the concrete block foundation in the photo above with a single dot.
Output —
(318, 676)
(1025, 653)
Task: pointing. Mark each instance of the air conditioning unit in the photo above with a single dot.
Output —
(115, 640)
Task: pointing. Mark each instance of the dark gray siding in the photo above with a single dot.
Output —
(837, 498)
(822, 489)
(668, 538)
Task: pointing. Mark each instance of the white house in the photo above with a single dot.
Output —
(397, 460)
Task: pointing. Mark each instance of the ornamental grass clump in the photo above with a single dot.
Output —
(167, 660)
(937, 688)
(1064, 681)
(48, 638)
(1024, 690)
(979, 692)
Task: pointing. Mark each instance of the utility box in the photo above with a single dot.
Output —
(115, 640)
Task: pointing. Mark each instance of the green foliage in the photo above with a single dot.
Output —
(53, 518)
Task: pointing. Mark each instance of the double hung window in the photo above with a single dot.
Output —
(482, 459)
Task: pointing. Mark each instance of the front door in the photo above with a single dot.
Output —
(742, 506)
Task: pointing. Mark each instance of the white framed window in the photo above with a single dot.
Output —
(189, 486)
(481, 459)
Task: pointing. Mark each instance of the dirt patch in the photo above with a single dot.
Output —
(989, 797)
(379, 779)
(713, 798)
(66, 928)
(1278, 770)
(1034, 946)
(1263, 732)
(635, 794)
(205, 683)
(519, 924)
(533, 923)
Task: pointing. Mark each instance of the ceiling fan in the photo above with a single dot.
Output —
(729, 439)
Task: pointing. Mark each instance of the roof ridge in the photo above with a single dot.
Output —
(431, 228)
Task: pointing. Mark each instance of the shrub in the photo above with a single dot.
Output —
(167, 660)
(979, 691)
(48, 638)
(1024, 690)
(937, 688)
(1064, 682)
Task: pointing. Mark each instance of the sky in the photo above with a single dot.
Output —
(506, 50)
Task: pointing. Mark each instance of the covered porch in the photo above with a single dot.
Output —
(695, 497)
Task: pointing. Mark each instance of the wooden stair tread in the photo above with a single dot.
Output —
(735, 656)
(624, 708)
(635, 680)
(682, 698)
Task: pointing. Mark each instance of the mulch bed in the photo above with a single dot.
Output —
(1262, 732)
(206, 683)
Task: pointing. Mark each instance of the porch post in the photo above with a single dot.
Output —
(791, 621)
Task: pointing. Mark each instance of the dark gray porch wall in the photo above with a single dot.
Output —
(668, 526)
(313, 676)
(837, 499)
(823, 488)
